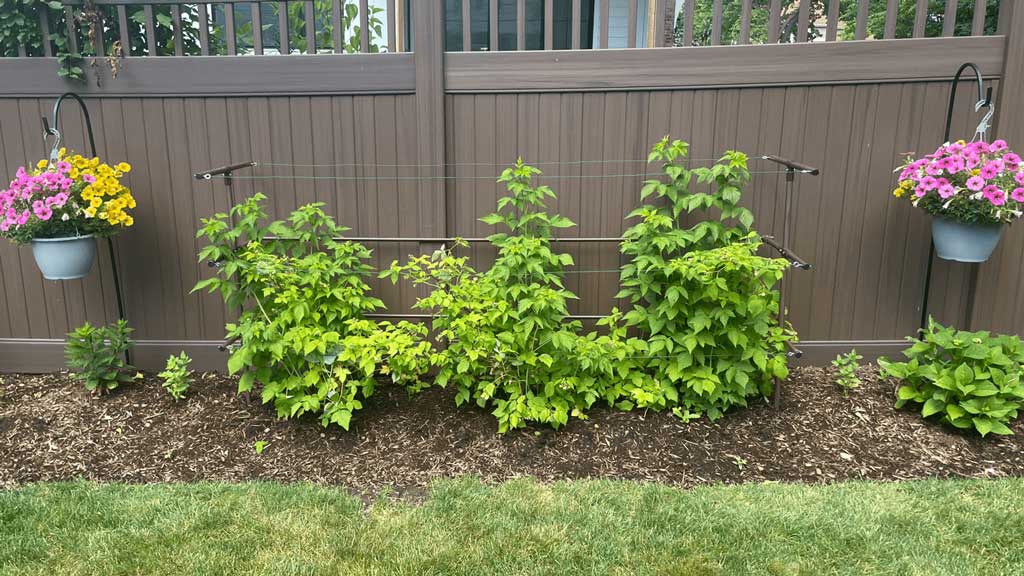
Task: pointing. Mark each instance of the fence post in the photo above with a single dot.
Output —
(428, 54)
(995, 308)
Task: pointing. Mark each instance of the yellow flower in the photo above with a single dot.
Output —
(62, 152)
(128, 221)
(95, 203)
(123, 167)
(94, 162)
(73, 173)
(90, 212)
(975, 172)
(898, 192)
(41, 164)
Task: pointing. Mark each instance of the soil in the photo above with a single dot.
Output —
(51, 429)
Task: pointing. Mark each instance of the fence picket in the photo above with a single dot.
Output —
(282, 28)
(803, 17)
(688, 24)
(336, 31)
(521, 25)
(229, 28)
(124, 35)
(832, 24)
(147, 16)
(204, 31)
(492, 17)
(631, 25)
(716, 22)
(861, 31)
(44, 27)
(949, 19)
(577, 23)
(978, 24)
(179, 49)
(310, 16)
(392, 41)
(549, 24)
(605, 9)
(257, 28)
(891, 14)
(364, 27)
(920, 17)
(774, 16)
(745, 22)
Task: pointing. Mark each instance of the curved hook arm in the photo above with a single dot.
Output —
(50, 128)
(984, 99)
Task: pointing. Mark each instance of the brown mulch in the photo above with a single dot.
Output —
(51, 429)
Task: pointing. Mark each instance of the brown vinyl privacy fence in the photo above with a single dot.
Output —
(406, 144)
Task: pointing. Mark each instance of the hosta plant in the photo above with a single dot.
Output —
(96, 354)
(971, 380)
(301, 334)
(702, 298)
(508, 343)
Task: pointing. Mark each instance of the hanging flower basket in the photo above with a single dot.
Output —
(60, 208)
(972, 190)
(64, 258)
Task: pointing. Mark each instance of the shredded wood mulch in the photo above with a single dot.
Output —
(52, 429)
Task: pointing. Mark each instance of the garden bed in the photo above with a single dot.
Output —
(51, 429)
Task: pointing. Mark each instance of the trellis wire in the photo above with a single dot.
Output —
(449, 177)
(447, 164)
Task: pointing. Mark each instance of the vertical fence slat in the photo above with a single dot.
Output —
(147, 16)
(978, 24)
(97, 40)
(716, 23)
(659, 22)
(364, 26)
(229, 28)
(22, 52)
(832, 24)
(124, 35)
(745, 22)
(492, 18)
(549, 24)
(920, 17)
(803, 20)
(310, 16)
(392, 40)
(631, 25)
(861, 32)
(467, 27)
(179, 50)
(204, 31)
(336, 26)
(774, 15)
(44, 27)
(891, 14)
(577, 24)
(282, 28)
(949, 18)
(688, 24)
(1003, 18)
(69, 18)
(605, 8)
(257, 28)
(520, 24)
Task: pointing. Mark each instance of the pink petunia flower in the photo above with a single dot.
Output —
(1019, 177)
(946, 190)
(933, 168)
(990, 170)
(999, 145)
(1017, 194)
(929, 183)
(995, 195)
(920, 191)
(975, 183)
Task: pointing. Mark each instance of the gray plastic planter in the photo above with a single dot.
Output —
(964, 242)
(64, 258)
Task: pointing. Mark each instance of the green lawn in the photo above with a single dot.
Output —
(522, 528)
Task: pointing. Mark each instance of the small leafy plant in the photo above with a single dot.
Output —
(301, 334)
(96, 354)
(259, 446)
(177, 377)
(967, 379)
(846, 366)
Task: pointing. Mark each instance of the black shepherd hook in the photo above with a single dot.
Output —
(984, 101)
(50, 129)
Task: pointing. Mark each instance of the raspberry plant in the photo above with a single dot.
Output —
(702, 298)
(301, 334)
(508, 343)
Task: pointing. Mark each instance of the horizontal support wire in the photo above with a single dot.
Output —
(442, 165)
(450, 177)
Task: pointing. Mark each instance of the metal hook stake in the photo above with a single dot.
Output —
(50, 129)
(984, 101)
